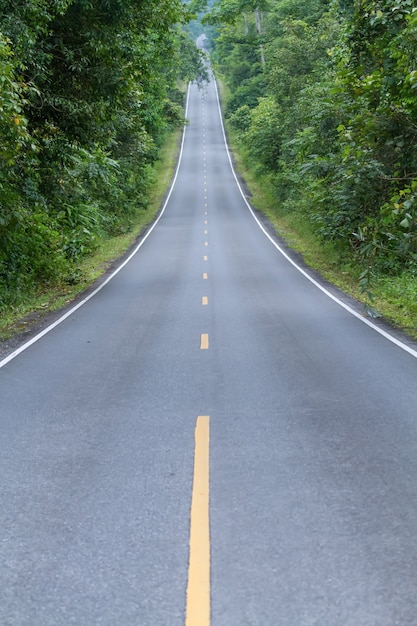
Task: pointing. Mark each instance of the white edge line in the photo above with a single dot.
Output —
(379, 330)
(75, 308)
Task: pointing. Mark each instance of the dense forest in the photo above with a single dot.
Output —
(323, 101)
(89, 88)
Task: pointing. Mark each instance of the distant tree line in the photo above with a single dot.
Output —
(88, 89)
(324, 101)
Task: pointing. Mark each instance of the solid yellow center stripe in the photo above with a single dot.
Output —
(198, 588)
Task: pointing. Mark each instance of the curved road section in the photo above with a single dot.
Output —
(210, 439)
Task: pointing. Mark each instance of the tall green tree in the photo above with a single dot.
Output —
(334, 124)
(89, 89)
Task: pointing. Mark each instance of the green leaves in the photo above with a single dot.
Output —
(87, 90)
(13, 123)
(336, 123)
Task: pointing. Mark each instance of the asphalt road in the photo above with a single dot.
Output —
(313, 435)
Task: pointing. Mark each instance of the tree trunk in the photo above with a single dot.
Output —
(259, 31)
(245, 17)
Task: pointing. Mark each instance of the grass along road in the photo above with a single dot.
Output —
(394, 297)
(28, 314)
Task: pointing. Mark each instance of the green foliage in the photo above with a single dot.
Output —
(88, 91)
(376, 156)
(247, 94)
(334, 123)
(263, 136)
(240, 120)
(13, 124)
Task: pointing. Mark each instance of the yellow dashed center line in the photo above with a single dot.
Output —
(204, 342)
(205, 276)
(204, 300)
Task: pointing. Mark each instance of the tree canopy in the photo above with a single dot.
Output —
(88, 89)
(331, 115)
